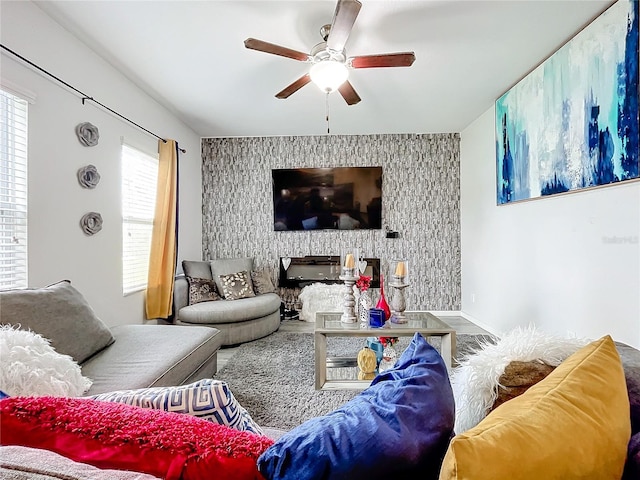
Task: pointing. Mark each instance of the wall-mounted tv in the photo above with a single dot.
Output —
(339, 198)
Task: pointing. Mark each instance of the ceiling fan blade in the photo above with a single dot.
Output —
(294, 87)
(348, 93)
(343, 20)
(403, 59)
(262, 46)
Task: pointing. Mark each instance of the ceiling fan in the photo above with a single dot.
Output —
(329, 62)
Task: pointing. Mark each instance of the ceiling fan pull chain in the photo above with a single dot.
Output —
(327, 103)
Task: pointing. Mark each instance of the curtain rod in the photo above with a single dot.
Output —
(85, 97)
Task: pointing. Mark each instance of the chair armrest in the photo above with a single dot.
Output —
(180, 295)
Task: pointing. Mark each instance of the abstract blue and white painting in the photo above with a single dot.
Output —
(572, 123)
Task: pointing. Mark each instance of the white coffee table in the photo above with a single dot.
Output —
(328, 324)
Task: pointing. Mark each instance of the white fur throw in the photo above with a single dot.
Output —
(320, 297)
(475, 380)
(30, 366)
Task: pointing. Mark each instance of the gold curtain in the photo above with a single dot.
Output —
(162, 257)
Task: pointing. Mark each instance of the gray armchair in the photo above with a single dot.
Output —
(239, 320)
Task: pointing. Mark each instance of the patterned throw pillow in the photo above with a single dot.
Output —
(236, 286)
(202, 290)
(262, 282)
(208, 399)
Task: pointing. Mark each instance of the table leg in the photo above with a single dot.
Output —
(448, 349)
(320, 341)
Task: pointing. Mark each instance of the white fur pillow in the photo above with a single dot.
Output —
(475, 380)
(320, 297)
(29, 366)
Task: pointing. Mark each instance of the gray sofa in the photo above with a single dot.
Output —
(117, 358)
(239, 320)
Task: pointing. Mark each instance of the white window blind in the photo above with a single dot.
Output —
(139, 179)
(13, 191)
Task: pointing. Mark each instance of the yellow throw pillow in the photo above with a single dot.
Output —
(574, 424)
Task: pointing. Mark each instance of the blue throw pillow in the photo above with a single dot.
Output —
(399, 427)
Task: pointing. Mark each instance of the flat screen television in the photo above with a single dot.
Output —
(339, 198)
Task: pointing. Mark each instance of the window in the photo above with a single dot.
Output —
(13, 191)
(139, 178)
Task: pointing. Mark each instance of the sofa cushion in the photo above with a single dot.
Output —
(399, 427)
(208, 399)
(632, 465)
(572, 424)
(236, 286)
(225, 266)
(30, 366)
(151, 355)
(230, 311)
(60, 314)
(202, 290)
(114, 435)
(22, 463)
(197, 269)
(630, 358)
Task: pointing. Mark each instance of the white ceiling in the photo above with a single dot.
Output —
(189, 55)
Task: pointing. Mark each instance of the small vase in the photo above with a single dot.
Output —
(374, 344)
(388, 361)
(364, 304)
(382, 303)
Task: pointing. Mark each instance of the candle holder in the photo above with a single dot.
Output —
(348, 258)
(399, 281)
(349, 314)
(349, 276)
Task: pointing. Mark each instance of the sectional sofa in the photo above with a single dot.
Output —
(121, 357)
(581, 421)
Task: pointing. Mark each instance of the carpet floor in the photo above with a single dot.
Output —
(273, 378)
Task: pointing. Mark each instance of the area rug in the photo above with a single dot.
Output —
(273, 378)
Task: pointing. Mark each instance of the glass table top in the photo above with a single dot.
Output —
(417, 321)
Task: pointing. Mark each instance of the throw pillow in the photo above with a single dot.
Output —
(236, 286)
(572, 424)
(202, 290)
(262, 282)
(225, 266)
(30, 366)
(475, 380)
(399, 427)
(207, 399)
(118, 436)
(518, 377)
(59, 313)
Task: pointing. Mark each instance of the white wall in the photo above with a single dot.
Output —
(569, 263)
(57, 247)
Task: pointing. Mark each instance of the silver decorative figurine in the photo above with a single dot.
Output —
(398, 303)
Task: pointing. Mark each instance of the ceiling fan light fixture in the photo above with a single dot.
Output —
(328, 75)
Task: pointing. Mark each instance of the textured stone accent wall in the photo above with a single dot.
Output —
(420, 194)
